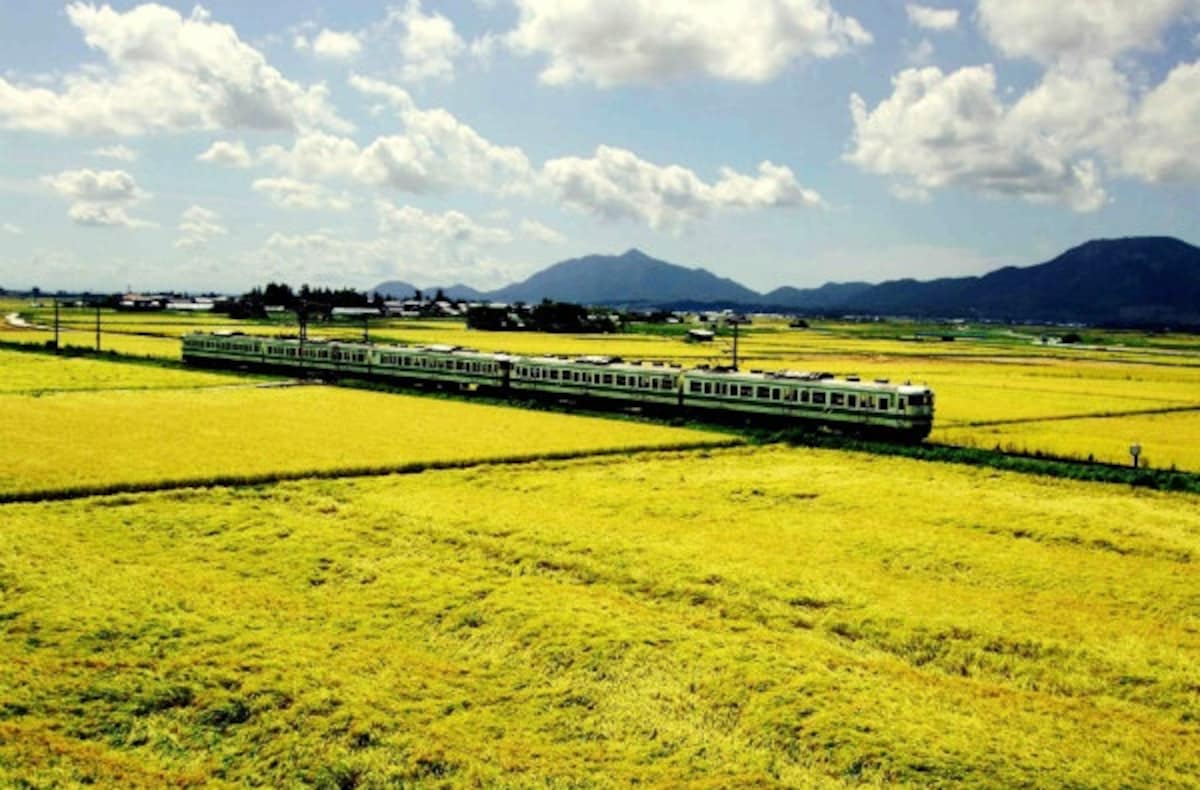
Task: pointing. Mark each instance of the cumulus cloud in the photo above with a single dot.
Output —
(164, 72)
(450, 226)
(15, 230)
(99, 197)
(428, 42)
(536, 231)
(412, 243)
(294, 194)
(1071, 29)
(615, 184)
(229, 154)
(1164, 134)
(434, 152)
(929, 18)
(610, 43)
(940, 130)
(197, 227)
(335, 45)
(121, 153)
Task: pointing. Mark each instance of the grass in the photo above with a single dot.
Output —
(74, 443)
(741, 617)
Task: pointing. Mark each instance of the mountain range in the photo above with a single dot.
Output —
(1133, 281)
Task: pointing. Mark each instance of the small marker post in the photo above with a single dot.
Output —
(1135, 450)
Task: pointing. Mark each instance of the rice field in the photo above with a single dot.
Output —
(106, 440)
(723, 618)
(995, 385)
(23, 373)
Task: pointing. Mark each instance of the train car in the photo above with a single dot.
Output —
(901, 411)
(598, 378)
(875, 407)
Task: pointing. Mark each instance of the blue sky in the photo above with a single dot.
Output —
(781, 142)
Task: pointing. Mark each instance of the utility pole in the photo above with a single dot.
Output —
(97, 327)
(366, 337)
(735, 343)
(56, 324)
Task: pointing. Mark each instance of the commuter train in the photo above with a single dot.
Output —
(899, 411)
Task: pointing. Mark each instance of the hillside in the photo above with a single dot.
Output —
(630, 278)
(1135, 280)
(1142, 280)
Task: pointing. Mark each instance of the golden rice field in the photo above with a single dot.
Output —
(109, 439)
(731, 618)
(994, 388)
(32, 374)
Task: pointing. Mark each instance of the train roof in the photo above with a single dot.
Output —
(826, 379)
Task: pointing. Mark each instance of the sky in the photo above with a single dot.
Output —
(776, 142)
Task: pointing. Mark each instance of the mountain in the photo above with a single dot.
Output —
(827, 296)
(631, 278)
(396, 289)
(1145, 280)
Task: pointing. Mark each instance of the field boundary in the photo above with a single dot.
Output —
(1068, 417)
(1035, 463)
(409, 468)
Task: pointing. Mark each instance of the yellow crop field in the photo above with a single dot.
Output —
(728, 618)
(96, 439)
(26, 373)
(987, 385)
(1168, 439)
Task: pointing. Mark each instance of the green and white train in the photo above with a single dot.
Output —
(900, 411)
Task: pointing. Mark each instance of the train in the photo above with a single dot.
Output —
(880, 408)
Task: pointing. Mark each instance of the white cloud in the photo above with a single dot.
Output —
(222, 152)
(536, 231)
(929, 18)
(616, 184)
(421, 246)
(99, 197)
(435, 152)
(944, 130)
(294, 194)
(119, 152)
(15, 230)
(450, 226)
(428, 42)
(611, 43)
(921, 54)
(1163, 142)
(1072, 29)
(164, 72)
(198, 226)
(334, 45)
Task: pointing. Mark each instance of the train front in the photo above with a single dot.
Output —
(918, 411)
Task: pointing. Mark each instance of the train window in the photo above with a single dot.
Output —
(836, 399)
(852, 401)
(900, 404)
(620, 380)
(818, 398)
(764, 393)
(883, 404)
(608, 379)
(774, 393)
(693, 386)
